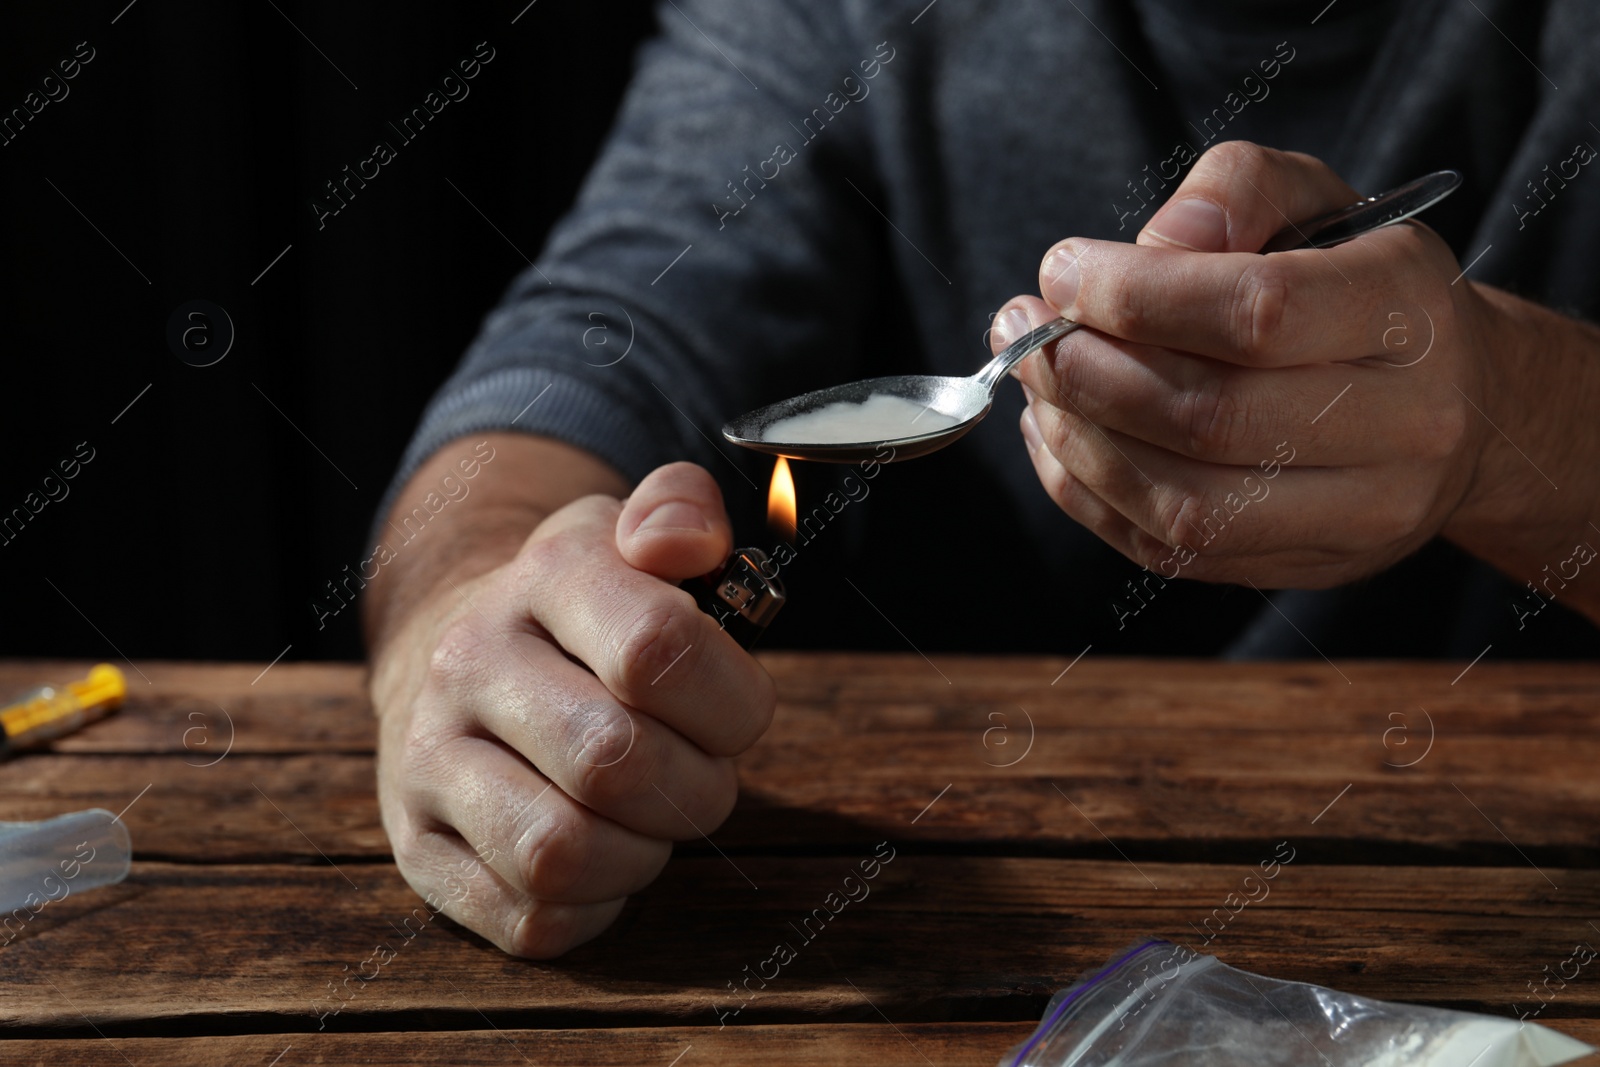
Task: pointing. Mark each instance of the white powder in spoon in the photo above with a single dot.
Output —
(883, 417)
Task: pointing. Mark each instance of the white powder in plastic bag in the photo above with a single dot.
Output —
(1163, 1005)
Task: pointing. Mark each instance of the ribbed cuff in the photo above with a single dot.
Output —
(533, 400)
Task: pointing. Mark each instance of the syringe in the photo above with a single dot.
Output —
(47, 713)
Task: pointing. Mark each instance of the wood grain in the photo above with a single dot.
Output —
(939, 938)
(193, 709)
(1043, 820)
(1167, 760)
(908, 1045)
(277, 809)
(310, 707)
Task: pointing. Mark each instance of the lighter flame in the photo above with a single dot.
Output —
(780, 500)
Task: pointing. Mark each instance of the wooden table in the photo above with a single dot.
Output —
(1148, 790)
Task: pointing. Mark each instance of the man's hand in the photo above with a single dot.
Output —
(1300, 419)
(553, 724)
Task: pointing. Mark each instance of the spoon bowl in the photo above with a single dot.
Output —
(847, 423)
(961, 399)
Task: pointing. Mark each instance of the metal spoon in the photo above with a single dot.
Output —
(967, 400)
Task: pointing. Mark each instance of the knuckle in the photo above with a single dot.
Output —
(1400, 519)
(1416, 513)
(428, 752)
(1063, 370)
(1417, 242)
(457, 660)
(1240, 158)
(1077, 384)
(601, 733)
(1207, 528)
(1055, 437)
(1261, 309)
(532, 934)
(543, 931)
(654, 639)
(548, 556)
(556, 858)
(752, 720)
(706, 797)
(1441, 430)
(1240, 165)
(612, 780)
(1150, 553)
(1059, 485)
(406, 844)
(1216, 418)
(1175, 516)
(713, 796)
(1121, 301)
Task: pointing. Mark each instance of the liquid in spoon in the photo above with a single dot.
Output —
(881, 417)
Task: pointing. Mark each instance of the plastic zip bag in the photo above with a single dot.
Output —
(1161, 1004)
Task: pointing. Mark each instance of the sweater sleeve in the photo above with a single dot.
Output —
(720, 254)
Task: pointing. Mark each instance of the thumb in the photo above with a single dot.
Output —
(1238, 195)
(674, 526)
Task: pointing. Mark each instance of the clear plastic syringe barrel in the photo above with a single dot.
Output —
(43, 862)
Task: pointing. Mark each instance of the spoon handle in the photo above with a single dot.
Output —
(1364, 216)
(1336, 227)
(997, 368)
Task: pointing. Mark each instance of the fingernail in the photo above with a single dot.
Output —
(1061, 277)
(1030, 430)
(677, 515)
(1028, 394)
(1011, 325)
(1194, 223)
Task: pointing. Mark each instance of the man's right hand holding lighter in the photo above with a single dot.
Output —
(553, 710)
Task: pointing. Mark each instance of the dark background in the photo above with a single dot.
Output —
(194, 141)
(182, 164)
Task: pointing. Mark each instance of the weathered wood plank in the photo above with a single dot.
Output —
(936, 938)
(323, 707)
(910, 1045)
(1161, 794)
(1169, 760)
(248, 808)
(195, 709)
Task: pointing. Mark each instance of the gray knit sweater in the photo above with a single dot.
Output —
(799, 192)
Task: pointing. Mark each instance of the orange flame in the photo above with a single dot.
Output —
(781, 511)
